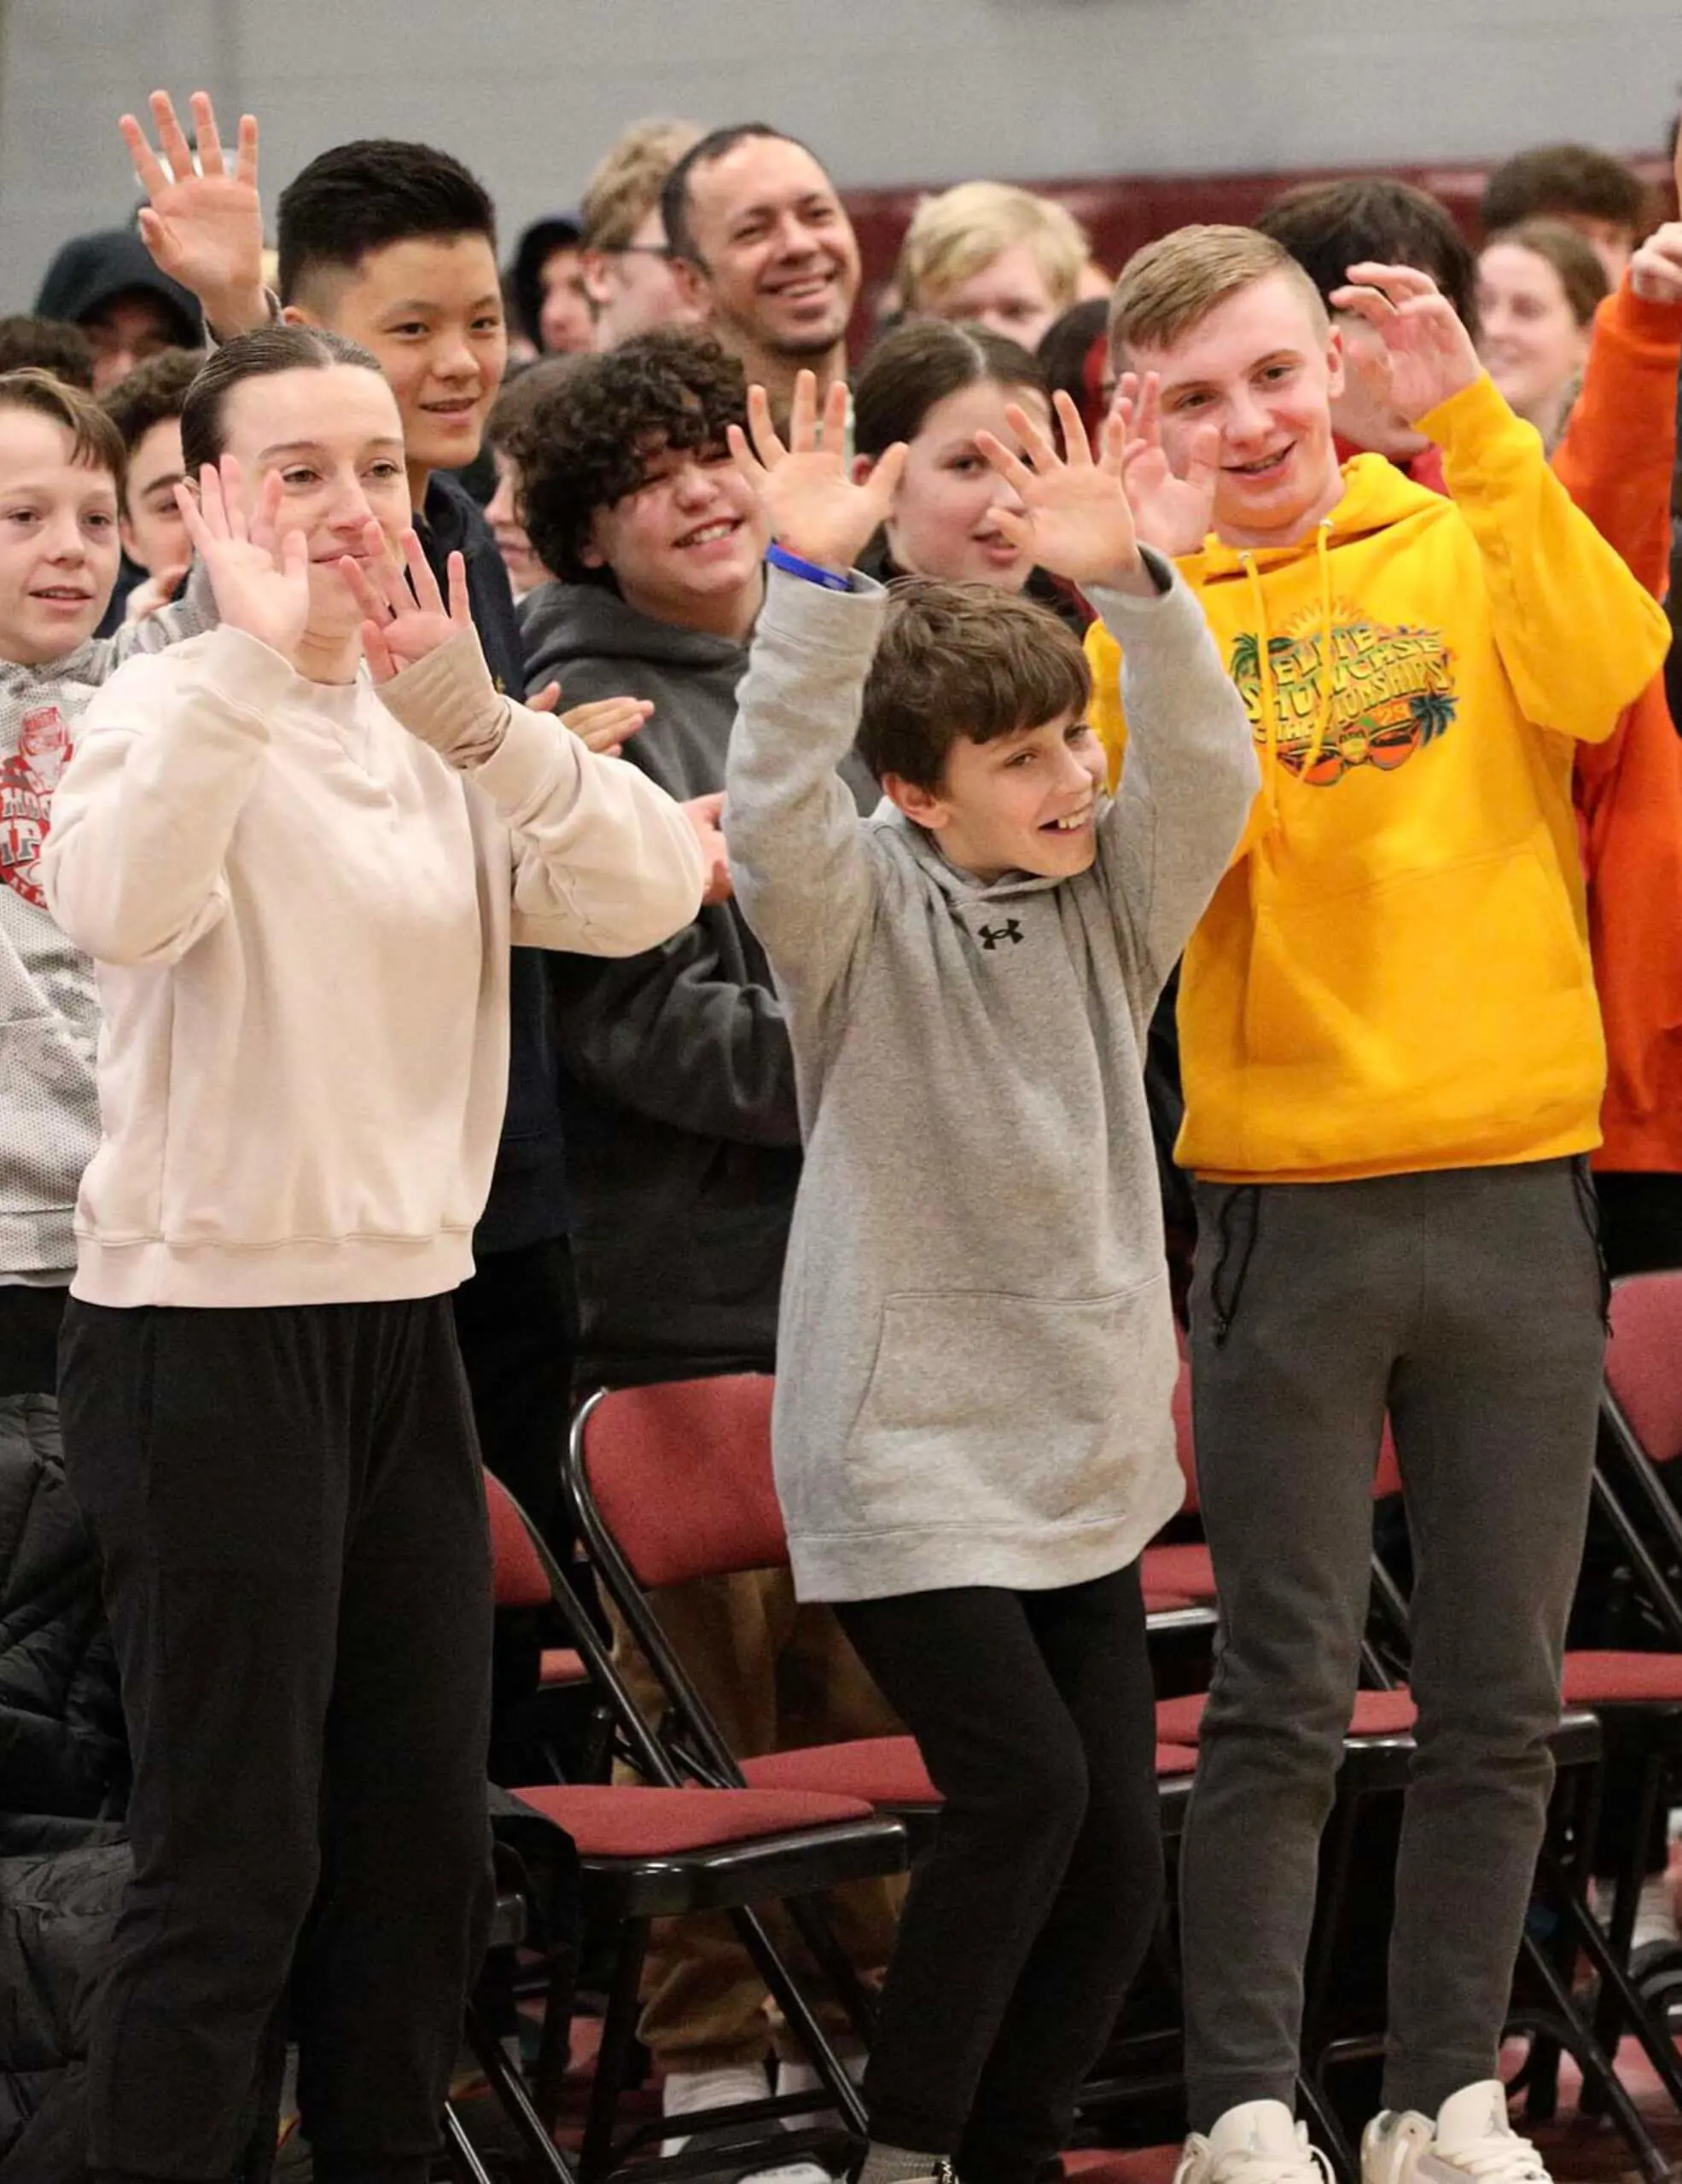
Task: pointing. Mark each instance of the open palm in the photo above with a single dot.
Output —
(1427, 354)
(203, 223)
(1074, 517)
(1173, 514)
(813, 505)
(405, 616)
(260, 577)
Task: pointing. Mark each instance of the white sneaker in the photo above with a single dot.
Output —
(1470, 2138)
(1257, 2142)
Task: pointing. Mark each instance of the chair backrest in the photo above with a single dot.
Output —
(1185, 1447)
(518, 1578)
(680, 1476)
(1386, 1479)
(1644, 1361)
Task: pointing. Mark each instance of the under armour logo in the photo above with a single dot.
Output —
(991, 935)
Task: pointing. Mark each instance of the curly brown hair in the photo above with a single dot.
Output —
(590, 440)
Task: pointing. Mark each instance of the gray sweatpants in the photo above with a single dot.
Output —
(1470, 1304)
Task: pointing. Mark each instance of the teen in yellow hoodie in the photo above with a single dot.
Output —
(1393, 1068)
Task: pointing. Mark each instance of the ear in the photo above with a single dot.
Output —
(593, 273)
(1337, 371)
(693, 285)
(296, 315)
(590, 553)
(862, 465)
(125, 536)
(925, 807)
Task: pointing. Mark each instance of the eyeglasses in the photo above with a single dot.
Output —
(638, 250)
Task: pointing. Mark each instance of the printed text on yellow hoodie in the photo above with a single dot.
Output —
(1393, 975)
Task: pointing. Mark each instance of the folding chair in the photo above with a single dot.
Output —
(675, 1848)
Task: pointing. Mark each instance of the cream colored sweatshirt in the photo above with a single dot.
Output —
(300, 898)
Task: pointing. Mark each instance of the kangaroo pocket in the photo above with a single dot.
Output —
(986, 1409)
(1433, 1012)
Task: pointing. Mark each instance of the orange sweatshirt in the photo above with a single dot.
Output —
(1616, 461)
(1393, 975)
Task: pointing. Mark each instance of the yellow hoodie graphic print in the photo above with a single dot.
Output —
(1394, 974)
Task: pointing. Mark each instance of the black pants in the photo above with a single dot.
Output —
(29, 1324)
(1028, 1919)
(288, 1507)
(517, 1323)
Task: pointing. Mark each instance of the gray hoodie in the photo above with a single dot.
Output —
(976, 1354)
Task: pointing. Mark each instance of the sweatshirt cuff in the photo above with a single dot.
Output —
(449, 701)
(846, 622)
(1469, 419)
(1114, 607)
(251, 676)
(1643, 319)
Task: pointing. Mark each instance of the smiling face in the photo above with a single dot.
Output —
(1265, 369)
(1025, 802)
(779, 261)
(58, 540)
(154, 536)
(686, 546)
(1010, 294)
(942, 522)
(335, 439)
(1532, 345)
(431, 311)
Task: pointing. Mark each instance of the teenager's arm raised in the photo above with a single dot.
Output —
(203, 220)
(1578, 636)
(803, 872)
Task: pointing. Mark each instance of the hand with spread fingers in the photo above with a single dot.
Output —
(1175, 514)
(405, 617)
(259, 574)
(203, 220)
(1427, 355)
(1075, 518)
(815, 509)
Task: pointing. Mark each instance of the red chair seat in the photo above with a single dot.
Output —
(560, 1668)
(1174, 1760)
(1170, 1603)
(882, 1770)
(1377, 1714)
(1183, 1568)
(616, 1820)
(1615, 1679)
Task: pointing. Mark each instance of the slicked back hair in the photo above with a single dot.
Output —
(366, 195)
(260, 355)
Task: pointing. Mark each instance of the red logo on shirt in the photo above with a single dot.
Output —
(28, 780)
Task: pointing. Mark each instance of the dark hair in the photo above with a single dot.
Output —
(50, 344)
(1582, 277)
(510, 426)
(524, 280)
(1563, 181)
(95, 440)
(674, 195)
(921, 363)
(264, 354)
(153, 391)
(1074, 354)
(1330, 226)
(963, 661)
(591, 439)
(363, 196)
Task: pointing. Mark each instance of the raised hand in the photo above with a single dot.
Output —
(1655, 269)
(813, 507)
(703, 814)
(1173, 514)
(404, 615)
(1074, 518)
(203, 225)
(260, 576)
(1427, 354)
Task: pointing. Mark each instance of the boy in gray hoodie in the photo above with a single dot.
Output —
(976, 1355)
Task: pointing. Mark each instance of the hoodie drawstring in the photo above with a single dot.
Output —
(1328, 661)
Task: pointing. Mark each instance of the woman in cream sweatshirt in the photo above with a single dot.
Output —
(299, 848)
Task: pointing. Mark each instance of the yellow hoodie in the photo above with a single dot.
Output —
(1394, 974)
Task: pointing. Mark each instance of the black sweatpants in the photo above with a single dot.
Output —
(289, 1510)
(1027, 1920)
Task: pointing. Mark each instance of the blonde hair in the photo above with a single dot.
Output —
(1173, 284)
(626, 185)
(954, 236)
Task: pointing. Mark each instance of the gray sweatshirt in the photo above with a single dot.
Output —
(975, 1346)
